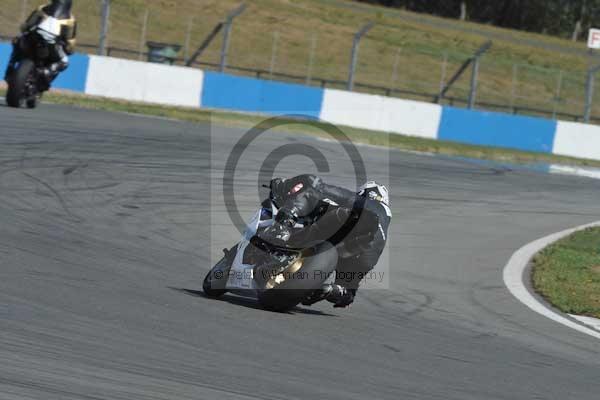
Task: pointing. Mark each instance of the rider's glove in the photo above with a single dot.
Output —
(275, 182)
(277, 234)
(277, 187)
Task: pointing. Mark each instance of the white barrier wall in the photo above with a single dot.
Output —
(352, 109)
(381, 113)
(172, 85)
(577, 140)
(141, 81)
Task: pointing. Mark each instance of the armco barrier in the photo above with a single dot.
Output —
(153, 83)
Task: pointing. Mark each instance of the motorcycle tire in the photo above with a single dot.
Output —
(16, 95)
(216, 279)
(288, 293)
(31, 103)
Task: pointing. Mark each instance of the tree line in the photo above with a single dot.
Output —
(565, 18)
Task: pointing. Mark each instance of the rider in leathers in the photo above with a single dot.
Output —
(60, 47)
(361, 221)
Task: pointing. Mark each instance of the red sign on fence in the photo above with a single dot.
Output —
(594, 39)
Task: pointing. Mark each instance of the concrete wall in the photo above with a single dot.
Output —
(140, 81)
(577, 140)
(379, 113)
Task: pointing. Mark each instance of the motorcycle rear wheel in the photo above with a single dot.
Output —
(285, 294)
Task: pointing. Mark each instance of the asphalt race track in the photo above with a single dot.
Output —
(107, 222)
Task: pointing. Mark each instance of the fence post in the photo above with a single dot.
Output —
(24, 9)
(273, 54)
(474, 77)
(227, 33)
(394, 77)
(475, 58)
(558, 92)
(104, 27)
(225, 46)
(188, 38)
(207, 41)
(513, 91)
(143, 34)
(355, 45)
(311, 59)
(589, 93)
(444, 71)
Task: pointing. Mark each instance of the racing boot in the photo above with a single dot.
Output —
(336, 294)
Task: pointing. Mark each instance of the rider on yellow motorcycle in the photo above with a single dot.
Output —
(54, 17)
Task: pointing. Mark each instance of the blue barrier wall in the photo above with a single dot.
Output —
(75, 77)
(497, 129)
(230, 92)
(5, 50)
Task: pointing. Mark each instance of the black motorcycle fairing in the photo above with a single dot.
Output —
(32, 46)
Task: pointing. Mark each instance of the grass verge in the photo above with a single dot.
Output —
(567, 273)
(242, 120)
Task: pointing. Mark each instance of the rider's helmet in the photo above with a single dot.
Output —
(375, 191)
(59, 9)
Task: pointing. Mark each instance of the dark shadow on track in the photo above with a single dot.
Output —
(248, 302)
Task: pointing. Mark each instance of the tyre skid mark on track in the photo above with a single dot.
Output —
(57, 195)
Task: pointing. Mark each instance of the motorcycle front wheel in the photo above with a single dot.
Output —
(19, 82)
(216, 279)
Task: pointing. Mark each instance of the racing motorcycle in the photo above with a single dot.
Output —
(28, 81)
(280, 277)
